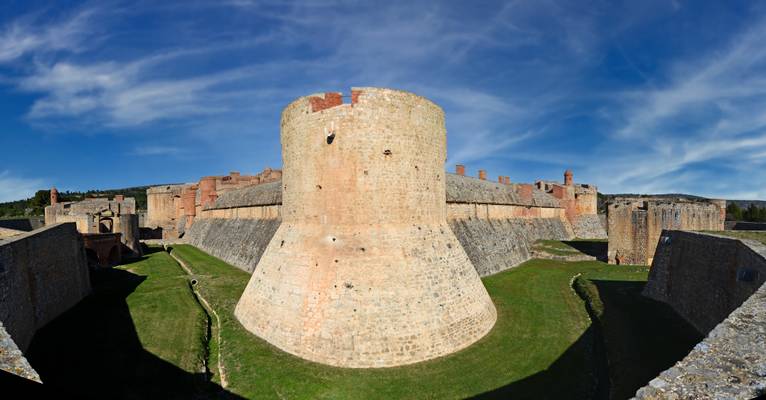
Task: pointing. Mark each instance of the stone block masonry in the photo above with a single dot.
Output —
(42, 274)
(635, 224)
(717, 284)
(364, 270)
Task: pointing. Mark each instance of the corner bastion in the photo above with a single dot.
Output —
(717, 284)
(364, 270)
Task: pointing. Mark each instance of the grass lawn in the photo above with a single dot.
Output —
(140, 334)
(544, 345)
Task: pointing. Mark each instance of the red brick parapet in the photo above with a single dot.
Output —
(330, 99)
(460, 169)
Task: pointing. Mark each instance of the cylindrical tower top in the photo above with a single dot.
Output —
(379, 160)
(54, 196)
(207, 187)
(189, 197)
(568, 177)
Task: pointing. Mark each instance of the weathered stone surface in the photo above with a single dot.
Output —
(465, 189)
(705, 277)
(364, 270)
(11, 358)
(588, 226)
(259, 195)
(240, 242)
(710, 279)
(42, 274)
(494, 245)
(635, 224)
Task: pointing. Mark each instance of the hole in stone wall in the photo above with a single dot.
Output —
(282, 244)
(387, 152)
(330, 137)
(319, 187)
(348, 285)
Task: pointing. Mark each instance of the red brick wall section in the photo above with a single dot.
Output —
(460, 169)
(525, 192)
(355, 96)
(330, 100)
(482, 174)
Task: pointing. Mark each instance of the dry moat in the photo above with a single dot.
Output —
(146, 332)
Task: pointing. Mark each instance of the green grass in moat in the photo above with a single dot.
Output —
(543, 345)
(140, 334)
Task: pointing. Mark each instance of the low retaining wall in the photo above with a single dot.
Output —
(42, 274)
(494, 245)
(717, 284)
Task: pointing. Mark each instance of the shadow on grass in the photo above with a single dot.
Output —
(586, 352)
(147, 251)
(632, 341)
(93, 351)
(594, 248)
(643, 337)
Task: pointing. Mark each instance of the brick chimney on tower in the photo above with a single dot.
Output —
(482, 174)
(568, 177)
(460, 169)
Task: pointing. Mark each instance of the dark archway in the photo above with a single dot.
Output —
(105, 225)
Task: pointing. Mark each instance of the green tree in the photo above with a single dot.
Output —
(733, 212)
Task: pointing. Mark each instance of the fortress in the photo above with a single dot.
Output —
(363, 252)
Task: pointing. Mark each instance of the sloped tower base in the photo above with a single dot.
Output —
(364, 270)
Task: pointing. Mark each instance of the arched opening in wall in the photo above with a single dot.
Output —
(105, 225)
(92, 257)
(114, 255)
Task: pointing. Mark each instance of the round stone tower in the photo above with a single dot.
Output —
(364, 270)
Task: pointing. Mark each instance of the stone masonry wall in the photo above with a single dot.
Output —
(705, 277)
(494, 245)
(635, 225)
(238, 241)
(717, 284)
(42, 274)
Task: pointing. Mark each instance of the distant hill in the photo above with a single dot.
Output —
(35, 205)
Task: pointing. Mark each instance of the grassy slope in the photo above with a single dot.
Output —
(139, 335)
(538, 349)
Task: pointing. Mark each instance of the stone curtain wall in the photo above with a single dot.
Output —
(238, 241)
(42, 274)
(494, 245)
(705, 277)
(717, 284)
(588, 226)
(635, 225)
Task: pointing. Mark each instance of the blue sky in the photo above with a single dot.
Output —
(640, 96)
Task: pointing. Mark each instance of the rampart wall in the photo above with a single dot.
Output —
(496, 223)
(23, 224)
(42, 274)
(635, 225)
(717, 284)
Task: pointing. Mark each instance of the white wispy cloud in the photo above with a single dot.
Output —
(14, 187)
(29, 35)
(709, 112)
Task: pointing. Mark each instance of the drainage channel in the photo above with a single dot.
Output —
(210, 315)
